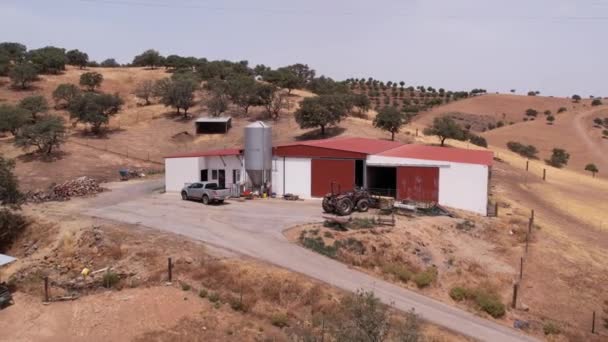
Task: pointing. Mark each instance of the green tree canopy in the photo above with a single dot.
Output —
(596, 102)
(531, 112)
(46, 134)
(243, 91)
(576, 98)
(391, 120)
(592, 168)
(14, 51)
(48, 60)
(95, 109)
(91, 80)
(64, 94)
(550, 119)
(145, 90)
(321, 111)
(177, 93)
(23, 74)
(9, 186)
(149, 58)
(109, 63)
(559, 158)
(363, 318)
(327, 86)
(284, 78)
(444, 128)
(35, 105)
(12, 118)
(77, 58)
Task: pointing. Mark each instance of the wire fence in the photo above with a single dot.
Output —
(126, 152)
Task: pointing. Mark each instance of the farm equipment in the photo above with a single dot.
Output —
(344, 203)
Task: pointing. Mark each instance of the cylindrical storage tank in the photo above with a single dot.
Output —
(258, 152)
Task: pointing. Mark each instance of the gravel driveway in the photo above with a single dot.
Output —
(254, 228)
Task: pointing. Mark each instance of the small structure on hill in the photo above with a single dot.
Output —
(209, 125)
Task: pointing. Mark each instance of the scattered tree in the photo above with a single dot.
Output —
(559, 158)
(598, 122)
(363, 318)
(576, 98)
(596, 102)
(77, 58)
(478, 140)
(64, 94)
(362, 102)
(444, 128)
(12, 118)
(145, 91)
(550, 119)
(321, 111)
(35, 105)
(531, 112)
(9, 186)
(14, 51)
(561, 110)
(284, 78)
(46, 134)
(95, 109)
(273, 100)
(109, 63)
(605, 133)
(528, 151)
(242, 91)
(592, 168)
(23, 74)
(391, 120)
(217, 104)
(48, 60)
(91, 80)
(178, 93)
(149, 58)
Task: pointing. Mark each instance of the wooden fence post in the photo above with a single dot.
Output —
(515, 288)
(170, 269)
(521, 268)
(527, 164)
(496, 209)
(46, 289)
(530, 223)
(527, 242)
(416, 131)
(593, 323)
(544, 174)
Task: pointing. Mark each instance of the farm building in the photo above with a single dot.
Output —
(453, 177)
(205, 125)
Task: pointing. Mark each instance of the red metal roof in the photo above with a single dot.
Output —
(451, 154)
(356, 145)
(210, 153)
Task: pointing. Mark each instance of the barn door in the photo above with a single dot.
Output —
(419, 184)
(326, 171)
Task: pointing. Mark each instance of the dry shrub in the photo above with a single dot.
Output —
(271, 290)
(114, 251)
(312, 296)
(67, 245)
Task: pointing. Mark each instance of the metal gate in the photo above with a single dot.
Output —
(420, 184)
(326, 171)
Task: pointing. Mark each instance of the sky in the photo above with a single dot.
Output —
(554, 46)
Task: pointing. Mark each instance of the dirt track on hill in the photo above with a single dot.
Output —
(582, 133)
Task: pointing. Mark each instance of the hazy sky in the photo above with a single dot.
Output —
(555, 46)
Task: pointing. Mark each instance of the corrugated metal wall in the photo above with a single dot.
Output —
(418, 183)
(325, 171)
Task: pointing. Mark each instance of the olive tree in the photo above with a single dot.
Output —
(363, 318)
(592, 168)
(559, 158)
(391, 120)
(177, 93)
(91, 80)
(77, 58)
(444, 128)
(23, 74)
(109, 63)
(95, 109)
(48, 60)
(273, 100)
(35, 105)
(12, 118)
(321, 111)
(45, 135)
(145, 91)
(64, 94)
(150, 58)
(243, 91)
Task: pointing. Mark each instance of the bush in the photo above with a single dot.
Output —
(561, 110)
(400, 271)
(362, 223)
(202, 293)
(528, 151)
(213, 297)
(425, 278)
(185, 286)
(551, 328)
(237, 304)
(559, 158)
(596, 102)
(318, 245)
(110, 279)
(478, 140)
(490, 303)
(12, 224)
(460, 293)
(279, 320)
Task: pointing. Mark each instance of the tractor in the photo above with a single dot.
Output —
(343, 203)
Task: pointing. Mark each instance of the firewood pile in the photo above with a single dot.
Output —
(78, 187)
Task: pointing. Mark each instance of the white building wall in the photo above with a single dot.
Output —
(179, 171)
(461, 186)
(228, 163)
(291, 176)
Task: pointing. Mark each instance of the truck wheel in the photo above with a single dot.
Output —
(327, 207)
(205, 200)
(344, 206)
(363, 205)
(184, 195)
(220, 202)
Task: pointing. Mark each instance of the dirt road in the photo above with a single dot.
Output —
(254, 228)
(583, 134)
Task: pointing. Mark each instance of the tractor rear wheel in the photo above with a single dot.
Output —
(327, 206)
(344, 206)
(363, 205)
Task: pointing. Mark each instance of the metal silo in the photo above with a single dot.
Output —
(258, 153)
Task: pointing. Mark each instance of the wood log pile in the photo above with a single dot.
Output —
(78, 187)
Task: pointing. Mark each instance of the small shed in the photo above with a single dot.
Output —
(209, 125)
(6, 259)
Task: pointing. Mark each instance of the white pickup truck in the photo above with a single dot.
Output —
(208, 192)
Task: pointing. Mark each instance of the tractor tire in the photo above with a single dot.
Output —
(363, 205)
(344, 206)
(327, 206)
(205, 200)
(184, 195)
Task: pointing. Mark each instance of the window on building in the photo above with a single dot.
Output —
(204, 175)
(236, 176)
(214, 174)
